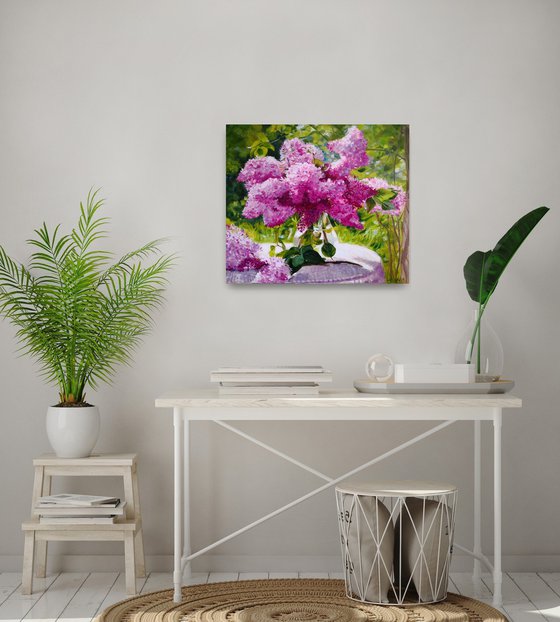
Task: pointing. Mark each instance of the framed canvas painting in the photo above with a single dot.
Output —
(317, 204)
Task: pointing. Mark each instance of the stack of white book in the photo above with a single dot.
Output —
(283, 380)
(72, 509)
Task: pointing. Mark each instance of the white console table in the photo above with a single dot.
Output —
(332, 405)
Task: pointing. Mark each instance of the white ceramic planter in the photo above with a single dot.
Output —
(73, 431)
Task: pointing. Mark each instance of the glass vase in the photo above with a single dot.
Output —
(481, 346)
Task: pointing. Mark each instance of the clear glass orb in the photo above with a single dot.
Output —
(380, 367)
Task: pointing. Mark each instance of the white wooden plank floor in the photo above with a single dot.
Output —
(79, 597)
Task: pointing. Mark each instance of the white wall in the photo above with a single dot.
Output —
(134, 96)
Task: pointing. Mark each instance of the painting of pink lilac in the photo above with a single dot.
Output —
(317, 204)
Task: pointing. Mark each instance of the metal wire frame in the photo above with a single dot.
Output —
(183, 554)
(421, 583)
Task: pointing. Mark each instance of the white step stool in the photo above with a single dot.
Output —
(127, 529)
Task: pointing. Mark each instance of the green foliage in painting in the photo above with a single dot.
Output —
(298, 256)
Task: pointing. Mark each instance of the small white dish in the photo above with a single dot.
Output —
(366, 385)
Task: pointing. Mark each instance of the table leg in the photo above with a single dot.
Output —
(178, 501)
(187, 496)
(477, 544)
(497, 600)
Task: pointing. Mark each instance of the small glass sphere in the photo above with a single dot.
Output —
(380, 367)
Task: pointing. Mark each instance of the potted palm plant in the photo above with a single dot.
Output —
(80, 314)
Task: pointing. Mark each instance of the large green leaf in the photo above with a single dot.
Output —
(473, 271)
(483, 270)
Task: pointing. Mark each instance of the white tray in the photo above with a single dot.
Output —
(366, 385)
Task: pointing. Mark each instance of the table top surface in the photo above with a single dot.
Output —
(331, 398)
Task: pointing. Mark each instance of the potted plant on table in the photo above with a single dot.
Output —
(80, 315)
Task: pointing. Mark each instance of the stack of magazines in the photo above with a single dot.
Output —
(283, 380)
(72, 509)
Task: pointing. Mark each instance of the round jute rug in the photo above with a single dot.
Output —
(287, 600)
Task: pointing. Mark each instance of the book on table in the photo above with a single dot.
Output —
(291, 369)
(271, 377)
(273, 380)
(288, 376)
(263, 389)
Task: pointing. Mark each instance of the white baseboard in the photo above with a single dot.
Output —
(258, 563)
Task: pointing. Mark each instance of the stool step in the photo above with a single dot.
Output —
(125, 525)
(93, 460)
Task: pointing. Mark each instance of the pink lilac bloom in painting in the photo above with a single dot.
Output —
(244, 255)
(317, 204)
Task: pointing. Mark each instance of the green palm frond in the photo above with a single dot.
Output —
(76, 313)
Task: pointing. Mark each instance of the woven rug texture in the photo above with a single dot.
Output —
(287, 600)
